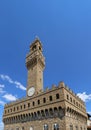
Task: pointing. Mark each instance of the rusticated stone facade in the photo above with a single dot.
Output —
(57, 108)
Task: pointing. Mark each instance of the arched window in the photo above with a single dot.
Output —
(67, 97)
(56, 126)
(71, 127)
(24, 106)
(38, 102)
(21, 107)
(22, 128)
(17, 128)
(70, 99)
(76, 127)
(5, 112)
(31, 128)
(80, 128)
(33, 103)
(50, 98)
(74, 101)
(17, 108)
(46, 113)
(28, 104)
(34, 47)
(14, 108)
(44, 100)
(45, 127)
(57, 96)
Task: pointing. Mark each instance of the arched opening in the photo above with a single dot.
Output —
(39, 114)
(45, 127)
(61, 112)
(56, 126)
(35, 116)
(55, 111)
(31, 128)
(51, 112)
(32, 116)
(42, 113)
(46, 113)
(29, 117)
(71, 127)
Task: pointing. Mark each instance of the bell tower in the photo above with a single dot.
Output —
(35, 64)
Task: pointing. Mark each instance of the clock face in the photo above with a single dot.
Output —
(31, 91)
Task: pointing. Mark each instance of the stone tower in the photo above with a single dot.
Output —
(35, 65)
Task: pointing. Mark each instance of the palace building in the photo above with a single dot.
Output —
(57, 108)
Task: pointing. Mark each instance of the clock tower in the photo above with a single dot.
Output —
(35, 64)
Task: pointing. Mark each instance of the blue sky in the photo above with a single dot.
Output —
(64, 28)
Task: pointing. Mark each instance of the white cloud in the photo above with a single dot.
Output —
(85, 97)
(1, 89)
(16, 83)
(2, 103)
(6, 77)
(2, 86)
(1, 126)
(19, 85)
(10, 97)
